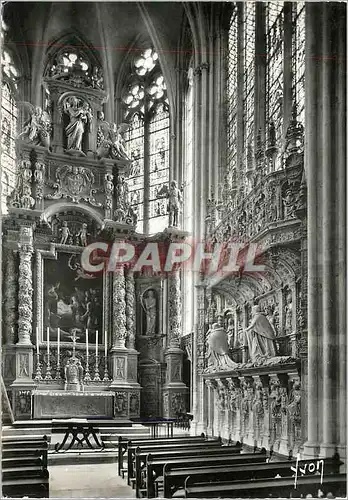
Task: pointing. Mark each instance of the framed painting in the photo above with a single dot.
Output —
(72, 300)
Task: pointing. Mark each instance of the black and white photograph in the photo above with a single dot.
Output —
(173, 249)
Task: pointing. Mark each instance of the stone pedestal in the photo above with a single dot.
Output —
(175, 392)
(24, 384)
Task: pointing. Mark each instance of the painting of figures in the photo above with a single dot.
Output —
(72, 300)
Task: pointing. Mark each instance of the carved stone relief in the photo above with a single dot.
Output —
(75, 184)
(121, 404)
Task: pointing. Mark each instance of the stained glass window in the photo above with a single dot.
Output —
(232, 101)
(9, 120)
(274, 72)
(146, 109)
(298, 58)
(249, 73)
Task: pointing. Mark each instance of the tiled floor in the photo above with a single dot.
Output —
(88, 481)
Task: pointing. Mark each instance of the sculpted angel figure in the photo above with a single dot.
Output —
(37, 129)
(149, 304)
(79, 113)
(111, 142)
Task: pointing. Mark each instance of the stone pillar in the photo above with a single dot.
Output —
(24, 383)
(174, 390)
(119, 333)
(10, 295)
(132, 368)
(325, 153)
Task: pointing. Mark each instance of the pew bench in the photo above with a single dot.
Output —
(124, 443)
(155, 465)
(174, 478)
(168, 450)
(263, 488)
(24, 467)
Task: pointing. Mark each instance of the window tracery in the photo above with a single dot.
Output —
(146, 109)
(298, 58)
(249, 72)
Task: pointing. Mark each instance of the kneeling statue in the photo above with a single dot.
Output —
(260, 337)
(218, 349)
(73, 375)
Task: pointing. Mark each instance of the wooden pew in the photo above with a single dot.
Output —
(154, 464)
(165, 448)
(263, 488)
(174, 477)
(124, 442)
(24, 467)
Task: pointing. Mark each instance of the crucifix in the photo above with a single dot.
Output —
(74, 338)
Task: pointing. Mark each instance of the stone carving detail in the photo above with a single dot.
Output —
(174, 293)
(258, 408)
(121, 403)
(134, 403)
(288, 326)
(132, 369)
(130, 309)
(23, 403)
(37, 129)
(174, 195)
(23, 365)
(120, 363)
(260, 337)
(10, 295)
(294, 412)
(75, 184)
(119, 308)
(124, 212)
(178, 403)
(21, 195)
(275, 411)
(175, 375)
(39, 176)
(25, 291)
(109, 191)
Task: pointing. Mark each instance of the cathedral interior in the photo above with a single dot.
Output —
(173, 200)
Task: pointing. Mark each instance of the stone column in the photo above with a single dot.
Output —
(10, 295)
(119, 332)
(132, 368)
(24, 383)
(174, 389)
(325, 153)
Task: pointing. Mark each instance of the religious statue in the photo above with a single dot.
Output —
(174, 195)
(79, 113)
(260, 337)
(288, 314)
(149, 304)
(289, 201)
(217, 348)
(111, 143)
(73, 375)
(37, 129)
(82, 235)
(65, 233)
(26, 200)
(232, 338)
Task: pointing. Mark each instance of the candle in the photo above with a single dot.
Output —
(87, 343)
(48, 340)
(37, 340)
(96, 343)
(106, 343)
(58, 343)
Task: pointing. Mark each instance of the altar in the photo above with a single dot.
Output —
(67, 404)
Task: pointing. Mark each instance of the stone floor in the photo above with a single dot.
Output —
(88, 481)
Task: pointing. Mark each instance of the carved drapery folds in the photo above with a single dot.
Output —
(119, 308)
(21, 196)
(130, 308)
(10, 295)
(174, 297)
(25, 291)
(39, 179)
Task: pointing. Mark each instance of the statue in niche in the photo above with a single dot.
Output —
(231, 334)
(82, 235)
(288, 314)
(289, 201)
(37, 129)
(73, 375)
(260, 337)
(64, 233)
(217, 348)
(26, 200)
(80, 114)
(149, 303)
